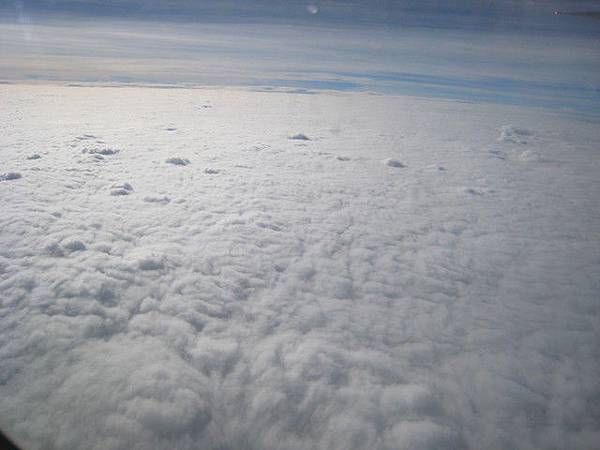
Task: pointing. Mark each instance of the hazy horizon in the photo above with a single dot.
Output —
(506, 52)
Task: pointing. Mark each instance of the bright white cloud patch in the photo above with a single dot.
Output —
(288, 293)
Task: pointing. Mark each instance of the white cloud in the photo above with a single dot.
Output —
(293, 299)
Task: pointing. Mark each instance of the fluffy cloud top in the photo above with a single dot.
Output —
(299, 294)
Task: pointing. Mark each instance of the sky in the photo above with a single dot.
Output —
(516, 52)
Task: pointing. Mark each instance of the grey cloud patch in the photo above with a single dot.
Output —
(9, 176)
(176, 161)
(299, 137)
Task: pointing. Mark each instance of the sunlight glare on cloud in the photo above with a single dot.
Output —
(312, 8)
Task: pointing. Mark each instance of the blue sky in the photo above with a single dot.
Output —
(470, 50)
(482, 14)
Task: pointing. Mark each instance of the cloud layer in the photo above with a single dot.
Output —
(300, 294)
